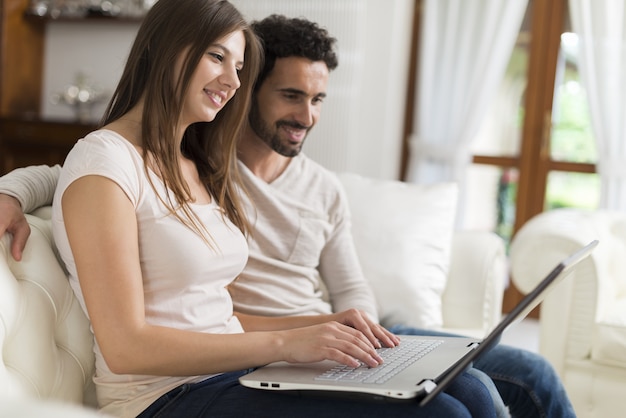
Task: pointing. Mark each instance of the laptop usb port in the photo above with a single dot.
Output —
(275, 385)
(264, 385)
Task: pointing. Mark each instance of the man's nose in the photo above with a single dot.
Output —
(306, 115)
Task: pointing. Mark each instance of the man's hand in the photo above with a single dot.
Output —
(13, 221)
(374, 332)
(327, 341)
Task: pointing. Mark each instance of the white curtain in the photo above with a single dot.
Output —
(465, 48)
(601, 29)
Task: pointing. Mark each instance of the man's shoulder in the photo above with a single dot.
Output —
(316, 174)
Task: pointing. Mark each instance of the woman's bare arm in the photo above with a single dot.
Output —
(102, 231)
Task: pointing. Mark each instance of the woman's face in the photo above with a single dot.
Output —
(215, 80)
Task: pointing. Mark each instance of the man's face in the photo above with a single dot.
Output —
(288, 103)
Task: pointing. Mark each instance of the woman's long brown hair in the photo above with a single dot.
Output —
(170, 27)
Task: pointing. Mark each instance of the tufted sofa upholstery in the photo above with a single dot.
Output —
(583, 321)
(45, 337)
(46, 342)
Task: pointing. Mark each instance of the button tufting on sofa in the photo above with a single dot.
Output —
(44, 334)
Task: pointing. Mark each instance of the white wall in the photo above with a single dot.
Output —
(95, 48)
(361, 125)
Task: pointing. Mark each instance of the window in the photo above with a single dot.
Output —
(535, 150)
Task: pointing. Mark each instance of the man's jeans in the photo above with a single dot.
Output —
(223, 396)
(526, 381)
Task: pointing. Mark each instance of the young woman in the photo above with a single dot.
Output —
(147, 220)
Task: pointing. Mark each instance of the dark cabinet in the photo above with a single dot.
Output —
(26, 142)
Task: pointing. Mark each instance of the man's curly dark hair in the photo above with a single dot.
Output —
(284, 37)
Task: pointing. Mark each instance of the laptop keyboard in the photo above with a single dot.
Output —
(395, 359)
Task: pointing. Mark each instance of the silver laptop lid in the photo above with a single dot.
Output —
(519, 312)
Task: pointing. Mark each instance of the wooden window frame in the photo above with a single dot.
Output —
(534, 162)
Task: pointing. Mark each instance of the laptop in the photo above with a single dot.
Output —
(432, 363)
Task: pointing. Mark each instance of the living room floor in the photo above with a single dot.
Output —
(524, 334)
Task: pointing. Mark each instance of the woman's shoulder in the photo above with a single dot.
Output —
(103, 146)
(105, 153)
(105, 139)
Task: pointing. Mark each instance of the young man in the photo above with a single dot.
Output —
(301, 240)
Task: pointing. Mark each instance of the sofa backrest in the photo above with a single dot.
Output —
(403, 237)
(45, 340)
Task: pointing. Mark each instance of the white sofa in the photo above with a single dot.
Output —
(583, 321)
(47, 345)
(44, 335)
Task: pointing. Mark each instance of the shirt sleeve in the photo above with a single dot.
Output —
(32, 186)
(104, 153)
(341, 270)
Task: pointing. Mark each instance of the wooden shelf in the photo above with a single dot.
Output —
(26, 142)
(87, 18)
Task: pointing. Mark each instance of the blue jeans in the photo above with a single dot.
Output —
(223, 396)
(526, 381)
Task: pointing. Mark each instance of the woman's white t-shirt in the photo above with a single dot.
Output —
(185, 280)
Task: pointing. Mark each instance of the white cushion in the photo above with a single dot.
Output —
(403, 240)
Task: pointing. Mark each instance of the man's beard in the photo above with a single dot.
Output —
(271, 137)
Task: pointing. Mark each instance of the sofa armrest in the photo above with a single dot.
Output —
(570, 310)
(472, 301)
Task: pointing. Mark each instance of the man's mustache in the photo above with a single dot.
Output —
(294, 125)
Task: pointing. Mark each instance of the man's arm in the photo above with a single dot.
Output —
(343, 276)
(340, 268)
(24, 190)
(13, 221)
(32, 186)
